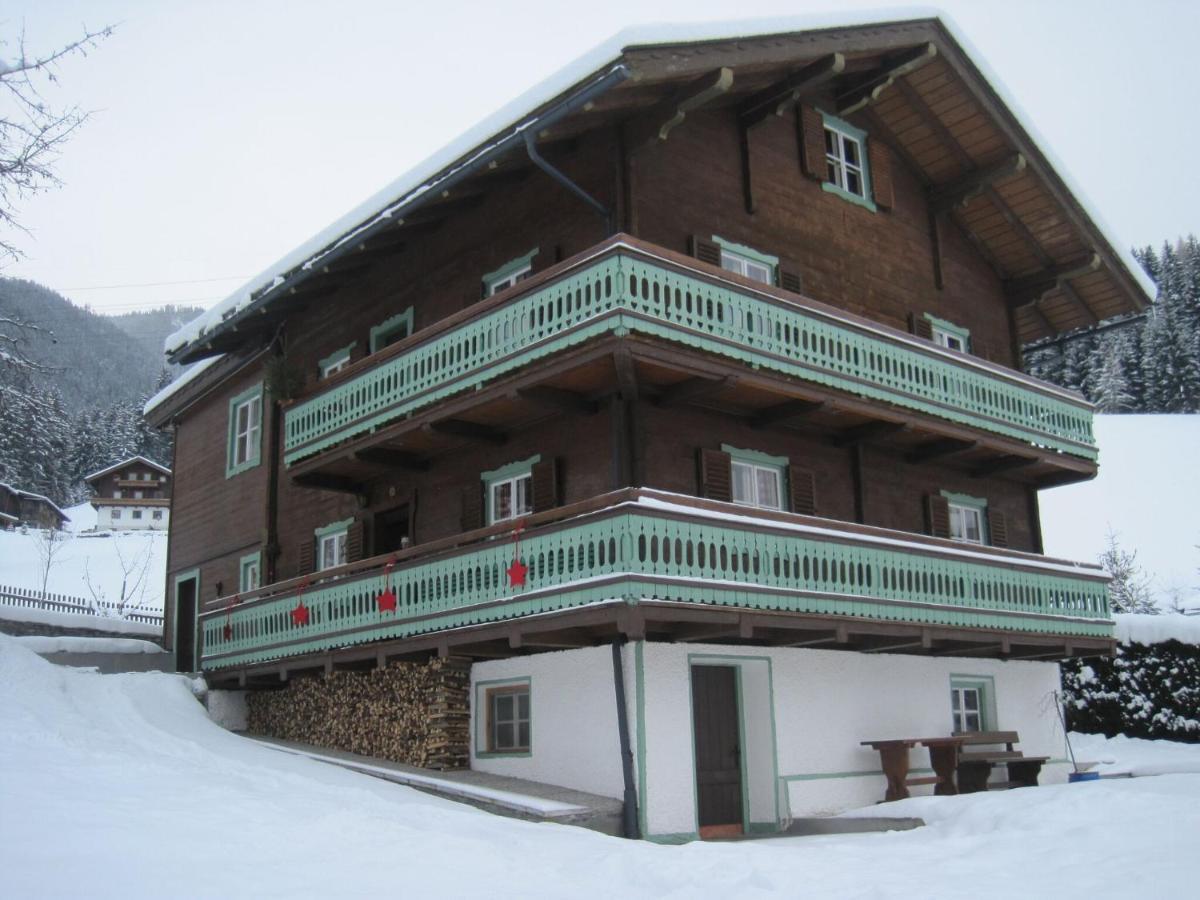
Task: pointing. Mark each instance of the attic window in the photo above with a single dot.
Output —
(846, 170)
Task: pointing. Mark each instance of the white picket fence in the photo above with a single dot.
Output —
(28, 598)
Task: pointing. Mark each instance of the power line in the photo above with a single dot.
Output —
(113, 287)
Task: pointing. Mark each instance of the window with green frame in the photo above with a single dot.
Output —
(972, 703)
(968, 518)
(757, 479)
(244, 440)
(391, 330)
(508, 491)
(249, 572)
(948, 335)
(747, 261)
(846, 171)
(513, 271)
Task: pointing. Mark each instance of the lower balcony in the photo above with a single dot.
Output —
(640, 564)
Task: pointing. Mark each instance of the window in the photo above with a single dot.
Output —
(845, 161)
(948, 335)
(137, 514)
(156, 515)
(137, 495)
(331, 546)
(972, 703)
(966, 518)
(389, 331)
(336, 361)
(510, 273)
(508, 719)
(117, 494)
(757, 478)
(116, 514)
(245, 431)
(248, 578)
(747, 261)
(509, 490)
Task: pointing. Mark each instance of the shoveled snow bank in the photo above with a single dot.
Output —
(1137, 629)
(39, 644)
(109, 624)
(123, 783)
(1135, 756)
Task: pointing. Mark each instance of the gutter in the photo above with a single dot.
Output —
(388, 217)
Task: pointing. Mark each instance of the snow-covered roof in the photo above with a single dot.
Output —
(125, 462)
(41, 498)
(190, 374)
(1132, 628)
(423, 177)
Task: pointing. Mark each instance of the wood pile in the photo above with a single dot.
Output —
(416, 713)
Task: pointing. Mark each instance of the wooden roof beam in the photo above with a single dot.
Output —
(868, 431)
(785, 412)
(1031, 288)
(1079, 303)
(558, 399)
(670, 113)
(878, 80)
(776, 98)
(692, 389)
(975, 183)
(938, 449)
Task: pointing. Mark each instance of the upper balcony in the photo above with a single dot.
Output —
(643, 563)
(680, 330)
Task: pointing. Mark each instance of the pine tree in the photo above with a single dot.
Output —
(1129, 590)
(1111, 393)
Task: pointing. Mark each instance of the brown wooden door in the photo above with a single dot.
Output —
(718, 749)
(185, 625)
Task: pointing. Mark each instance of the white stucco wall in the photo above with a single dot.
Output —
(572, 715)
(105, 522)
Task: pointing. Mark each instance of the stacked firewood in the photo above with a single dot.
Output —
(411, 712)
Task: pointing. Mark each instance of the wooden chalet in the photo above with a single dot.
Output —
(686, 400)
(132, 495)
(18, 507)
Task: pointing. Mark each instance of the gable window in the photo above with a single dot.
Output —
(948, 335)
(972, 704)
(967, 518)
(509, 490)
(245, 431)
(846, 170)
(331, 544)
(757, 479)
(508, 720)
(512, 272)
(747, 261)
(248, 572)
(335, 361)
(389, 331)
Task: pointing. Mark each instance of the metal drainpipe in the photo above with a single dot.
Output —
(538, 160)
(629, 809)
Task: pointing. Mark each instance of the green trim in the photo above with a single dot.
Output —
(184, 576)
(249, 558)
(836, 124)
(509, 268)
(640, 669)
(963, 334)
(256, 456)
(512, 470)
(986, 685)
(676, 837)
(386, 328)
(755, 456)
(481, 688)
(978, 503)
(335, 357)
(749, 253)
(820, 776)
(333, 528)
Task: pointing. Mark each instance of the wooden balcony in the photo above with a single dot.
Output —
(644, 563)
(682, 330)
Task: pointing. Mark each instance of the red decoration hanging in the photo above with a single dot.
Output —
(518, 570)
(300, 613)
(387, 597)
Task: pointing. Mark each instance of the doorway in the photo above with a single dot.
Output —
(187, 588)
(392, 530)
(718, 747)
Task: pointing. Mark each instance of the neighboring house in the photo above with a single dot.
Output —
(132, 495)
(19, 507)
(682, 398)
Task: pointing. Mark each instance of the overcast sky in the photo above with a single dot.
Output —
(226, 133)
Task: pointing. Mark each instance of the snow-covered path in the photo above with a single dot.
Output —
(120, 786)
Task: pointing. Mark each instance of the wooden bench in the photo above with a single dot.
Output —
(973, 768)
(893, 758)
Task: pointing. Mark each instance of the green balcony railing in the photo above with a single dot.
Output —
(625, 289)
(648, 545)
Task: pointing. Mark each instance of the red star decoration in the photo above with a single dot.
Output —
(300, 614)
(516, 573)
(228, 632)
(387, 601)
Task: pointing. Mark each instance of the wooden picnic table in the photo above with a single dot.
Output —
(893, 757)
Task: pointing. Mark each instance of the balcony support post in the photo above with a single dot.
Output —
(629, 808)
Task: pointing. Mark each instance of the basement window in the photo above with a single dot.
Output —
(508, 725)
(846, 170)
(245, 431)
(512, 272)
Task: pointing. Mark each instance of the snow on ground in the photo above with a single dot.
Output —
(39, 644)
(126, 789)
(1148, 491)
(103, 557)
(1135, 756)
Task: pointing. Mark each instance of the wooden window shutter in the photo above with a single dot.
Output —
(937, 515)
(790, 280)
(306, 557)
(879, 161)
(354, 542)
(472, 507)
(920, 326)
(545, 485)
(716, 475)
(705, 251)
(997, 528)
(803, 484)
(812, 144)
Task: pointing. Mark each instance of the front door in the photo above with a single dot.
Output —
(185, 625)
(391, 530)
(718, 750)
